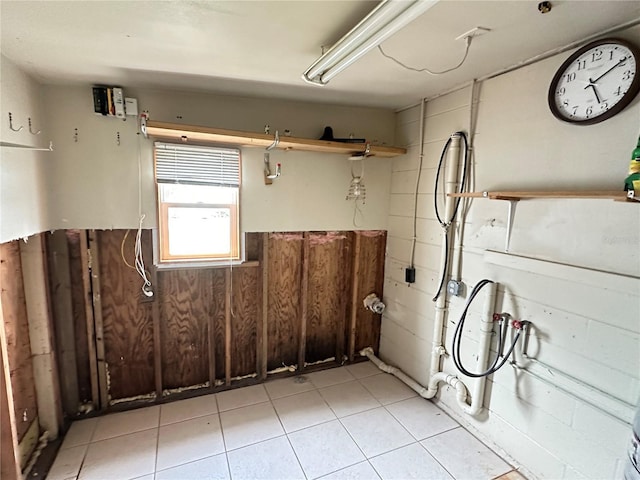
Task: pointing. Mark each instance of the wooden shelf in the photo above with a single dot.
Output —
(617, 195)
(194, 133)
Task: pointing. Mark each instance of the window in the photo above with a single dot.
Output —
(198, 198)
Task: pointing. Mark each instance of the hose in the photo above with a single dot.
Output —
(446, 223)
(457, 339)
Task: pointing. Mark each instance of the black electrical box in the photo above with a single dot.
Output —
(410, 275)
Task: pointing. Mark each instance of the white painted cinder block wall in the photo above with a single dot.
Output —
(592, 332)
(94, 182)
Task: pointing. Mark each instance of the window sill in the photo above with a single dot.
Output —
(198, 265)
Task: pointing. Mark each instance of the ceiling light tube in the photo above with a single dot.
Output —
(383, 21)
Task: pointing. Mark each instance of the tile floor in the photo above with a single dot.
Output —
(352, 422)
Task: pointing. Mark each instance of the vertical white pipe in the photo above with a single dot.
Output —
(486, 332)
(451, 183)
(458, 225)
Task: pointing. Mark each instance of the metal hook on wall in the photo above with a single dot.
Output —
(31, 131)
(11, 124)
(268, 176)
(275, 143)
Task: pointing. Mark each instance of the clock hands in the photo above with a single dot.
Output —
(620, 62)
(592, 83)
(593, 86)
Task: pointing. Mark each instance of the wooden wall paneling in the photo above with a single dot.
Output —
(157, 331)
(78, 300)
(262, 302)
(126, 315)
(211, 337)
(9, 461)
(355, 286)
(372, 255)
(88, 309)
(264, 262)
(63, 318)
(219, 322)
(252, 246)
(94, 264)
(344, 311)
(227, 326)
(284, 266)
(326, 295)
(244, 320)
(304, 303)
(16, 336)
(184, 320)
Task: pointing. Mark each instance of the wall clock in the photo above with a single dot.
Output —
(596, 82)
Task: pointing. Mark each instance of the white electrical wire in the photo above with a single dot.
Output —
(426, 70)
(139, 259)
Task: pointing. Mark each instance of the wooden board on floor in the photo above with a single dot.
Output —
(16, 334)
(244, 321)
(327, 268)
(371, 279)
(184, 297)
(284, 289)
(127, 321)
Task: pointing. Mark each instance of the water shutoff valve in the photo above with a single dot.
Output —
(372, 302)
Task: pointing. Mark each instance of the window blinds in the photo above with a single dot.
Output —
(190, 164)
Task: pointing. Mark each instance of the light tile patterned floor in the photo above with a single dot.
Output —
(352, 422)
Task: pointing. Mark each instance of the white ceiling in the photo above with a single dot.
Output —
(261, 48)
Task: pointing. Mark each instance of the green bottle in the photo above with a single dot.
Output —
(632, 182)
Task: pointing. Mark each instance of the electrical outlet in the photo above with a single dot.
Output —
(474, 32)
(455, 288)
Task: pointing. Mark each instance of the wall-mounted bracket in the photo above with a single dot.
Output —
(512, 214)
(268, 176)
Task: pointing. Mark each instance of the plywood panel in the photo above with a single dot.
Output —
(184, 297)
(252, 245)
(285, 262)
(16, 334)
(79, 315)
(127, 322)
(327, 270)
(218, 319)
(244, 320)
(371, 279)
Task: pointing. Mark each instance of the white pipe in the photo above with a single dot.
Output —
(455, 382)
(486, 332)
(456, 271)
(437, 349)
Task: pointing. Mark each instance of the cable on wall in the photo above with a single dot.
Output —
(457, 337)
(426, 70)
(415, 193)
(138, 263)
(446, 223)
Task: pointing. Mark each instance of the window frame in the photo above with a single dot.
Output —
(162, 257)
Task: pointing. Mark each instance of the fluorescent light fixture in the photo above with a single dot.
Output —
(382, 22)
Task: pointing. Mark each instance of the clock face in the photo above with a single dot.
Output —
(595, 83)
